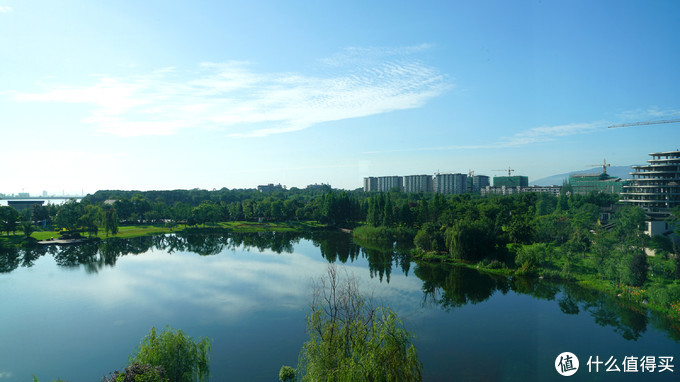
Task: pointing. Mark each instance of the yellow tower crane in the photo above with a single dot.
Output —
(657, 122)
(509, 170)
(604, 166)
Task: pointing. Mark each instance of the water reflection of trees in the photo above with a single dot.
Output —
(447, 286)
(97, 254)
(334, 247)
(453, 287)
(382, 258)
(10, 259)
(626, 320)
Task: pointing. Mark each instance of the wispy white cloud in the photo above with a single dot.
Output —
(523, 138)
(652, 112)
(247, 103)
(5, 9)
(550, 133)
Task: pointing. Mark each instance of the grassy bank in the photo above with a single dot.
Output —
(658, 293)
(137, 230)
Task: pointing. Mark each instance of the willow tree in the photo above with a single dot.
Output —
(351, 340)
(110, 221)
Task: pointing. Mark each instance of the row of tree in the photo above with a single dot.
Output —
(466, 227)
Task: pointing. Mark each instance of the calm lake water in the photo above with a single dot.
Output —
(77, 312)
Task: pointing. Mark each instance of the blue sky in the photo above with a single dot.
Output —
(209, 94)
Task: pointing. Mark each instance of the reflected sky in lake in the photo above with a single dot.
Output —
(78, 322)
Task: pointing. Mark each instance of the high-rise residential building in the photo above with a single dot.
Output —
(418, 183)
(386, 183)
(656, 189)
(478, 182)
(511, 181)
(370, 184)
(450, 183)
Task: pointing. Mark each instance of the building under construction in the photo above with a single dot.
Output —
(511, 181)
(603, 182)
(656, 189)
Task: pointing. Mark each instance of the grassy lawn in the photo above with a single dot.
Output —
(128, 231)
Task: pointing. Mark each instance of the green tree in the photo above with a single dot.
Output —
(423, 212)
(182, 358)
(533, 255)
(110, 221)
(28, 228)
(276, 210)
(181, 212)
(286, 374)
(40, 213)
(351, 340)
(69, 215)
(634, 269)
(388, 211)
(8, 219)
(91, 219)
(471, 240)
(141, 206)
(629, 262)
(430, 238)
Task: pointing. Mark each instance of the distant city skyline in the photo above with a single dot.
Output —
(172, 95)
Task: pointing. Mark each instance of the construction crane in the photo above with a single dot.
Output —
(604, 166)
(645, 123)
(509, 170)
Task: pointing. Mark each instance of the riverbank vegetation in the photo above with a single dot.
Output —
(588, 239)
(129, 213)
(585, 238)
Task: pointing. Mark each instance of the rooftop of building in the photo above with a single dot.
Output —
(676, 152)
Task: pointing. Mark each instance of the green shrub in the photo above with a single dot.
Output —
(534, 255)
(138, 373)
(664, 294)
(286, 374)
(182, 358)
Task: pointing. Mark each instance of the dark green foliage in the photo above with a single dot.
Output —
(634, 269)
(110, 221)
(8, 219)
(471, 240)
(138, 373)
(286, 374)
(534, 255)
(388, 212)
(40, 213)
(430, 238)
(27, 228)
(181, 358)
(383, 234)
(69, 215)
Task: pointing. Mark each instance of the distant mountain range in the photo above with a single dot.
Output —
(616, 171)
